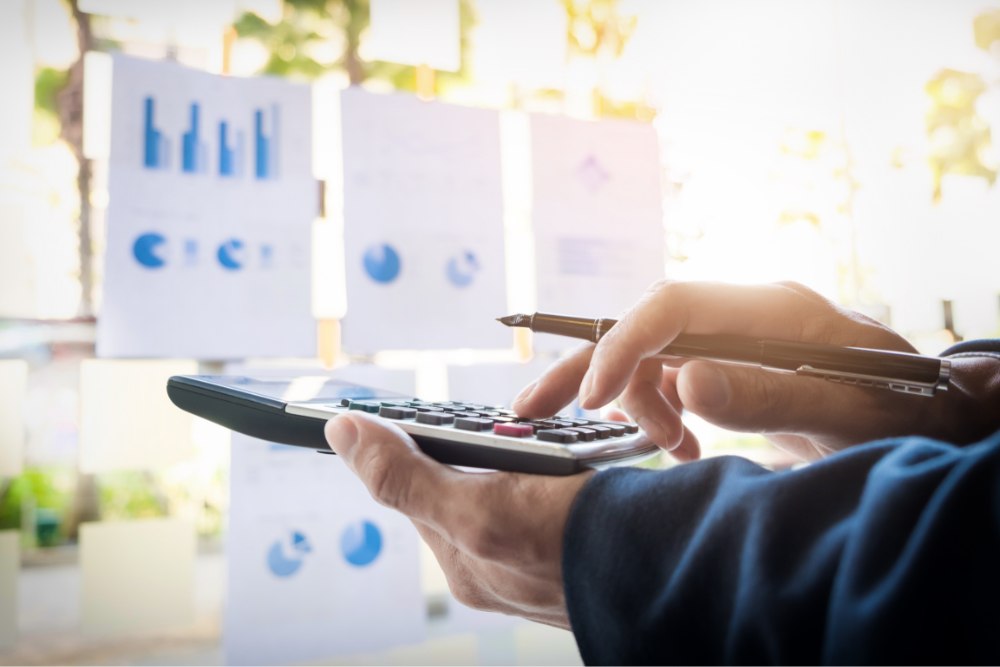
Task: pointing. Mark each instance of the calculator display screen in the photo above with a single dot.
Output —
(303, 389)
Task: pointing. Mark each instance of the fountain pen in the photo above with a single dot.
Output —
(898, 371)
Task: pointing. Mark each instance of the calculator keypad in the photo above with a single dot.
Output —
(500, 421)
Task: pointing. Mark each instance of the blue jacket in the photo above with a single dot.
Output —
(885, 553)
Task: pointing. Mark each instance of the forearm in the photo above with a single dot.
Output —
(883, 553)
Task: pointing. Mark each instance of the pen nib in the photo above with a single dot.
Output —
(518, 320)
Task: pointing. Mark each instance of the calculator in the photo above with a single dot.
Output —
(294, 410)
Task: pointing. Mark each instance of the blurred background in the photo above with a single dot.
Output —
(840, 143)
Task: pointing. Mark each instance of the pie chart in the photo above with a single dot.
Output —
(382, 263)
(361, 543)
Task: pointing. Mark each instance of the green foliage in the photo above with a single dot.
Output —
(48, 84)
(605, 107)
(595, 27)
(131, 495)
(37, 492)
(959, 136)
(986, 28)
(307, 25)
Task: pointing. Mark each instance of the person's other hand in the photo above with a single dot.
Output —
(808, 416)
(498, 536)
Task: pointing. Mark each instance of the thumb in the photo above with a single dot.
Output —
(750, 399)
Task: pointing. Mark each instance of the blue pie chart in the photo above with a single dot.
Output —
(229, 254)
(361, 543)
(284, 564)
(382, 263)
(462, 269)
(146, 250)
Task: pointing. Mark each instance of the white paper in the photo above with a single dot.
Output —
(597, 216)
(537, 644)
(16, 79)
(415, 32)
(316, 567)
(138, 576)
(212, 201)
(127, 422)
(10, 566)
(540, 57)
(13, 393)
(423, 222)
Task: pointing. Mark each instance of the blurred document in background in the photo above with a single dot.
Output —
(13, 391)
(316, 567)
(597, 214)
(138, 576)
(423, 225)
(212, 200)
(126, 420)
(10, 565)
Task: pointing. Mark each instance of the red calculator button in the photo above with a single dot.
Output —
(514, 430)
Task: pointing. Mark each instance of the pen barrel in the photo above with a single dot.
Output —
(786, 355)
(573, 327)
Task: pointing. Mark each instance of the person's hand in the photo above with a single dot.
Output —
(808, 416)
(498, 536)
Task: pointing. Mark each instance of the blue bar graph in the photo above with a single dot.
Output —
(232, 150)
(266, 145)
(156, 147)
(193, 150)
(230, 155)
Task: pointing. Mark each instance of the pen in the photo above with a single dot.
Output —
(897, 371)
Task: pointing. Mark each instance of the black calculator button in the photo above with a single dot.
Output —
(562, 436)
(617, 430)
(584, 433)
(366, 406)
(435, 418)
(393, 412)
(473, 424)
(345, 402)
(602, 430)
(631, 429)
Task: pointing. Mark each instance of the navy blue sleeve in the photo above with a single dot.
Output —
(885, 553)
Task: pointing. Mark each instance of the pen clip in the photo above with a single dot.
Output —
(861, 380)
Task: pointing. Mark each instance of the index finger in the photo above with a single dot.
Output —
(668, 308)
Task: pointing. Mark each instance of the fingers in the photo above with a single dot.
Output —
(644, 402)
(394, 470)
(669, 308)
(748, 399)
(651, 400)
(556, 388)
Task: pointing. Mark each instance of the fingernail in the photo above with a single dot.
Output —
(586, 389)
(341, 434)
(713, 388)
(526, 392)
